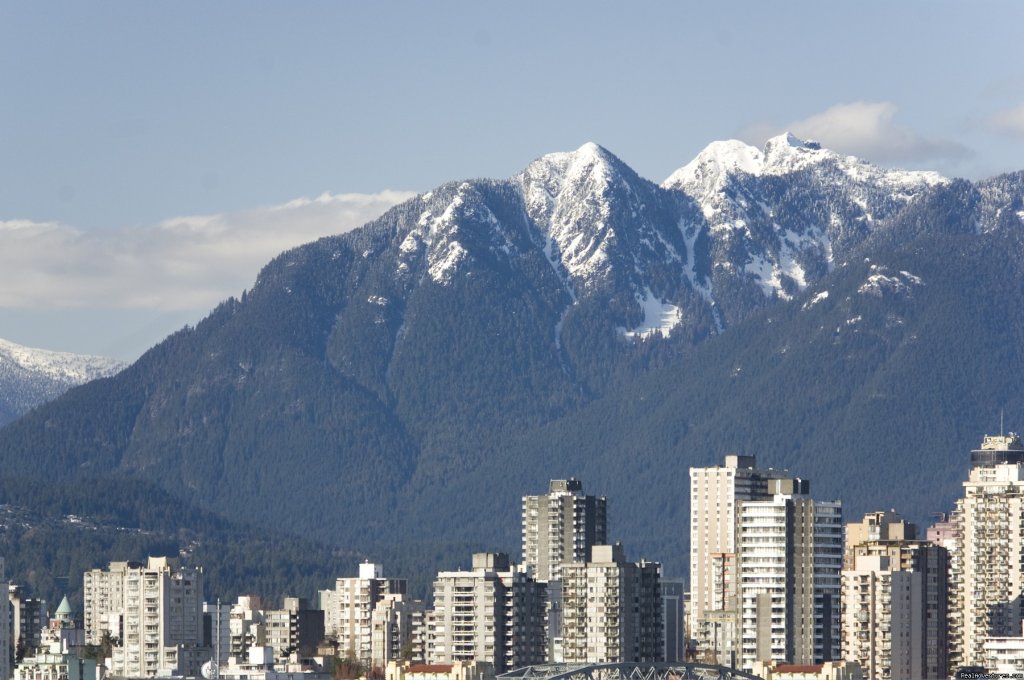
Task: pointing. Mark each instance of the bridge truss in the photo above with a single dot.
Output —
(627, 671)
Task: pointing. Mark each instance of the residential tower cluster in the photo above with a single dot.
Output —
(778, 586)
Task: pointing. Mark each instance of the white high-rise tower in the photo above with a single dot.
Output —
(988, 573)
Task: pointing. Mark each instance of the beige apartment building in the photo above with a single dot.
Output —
(154, 609)
(715, 495)
(987, 580)
(882, 630)
(872, 632)
(348, 609)
(493, 613)
(393, 624)
(612, 609)
(790, 564)
(561, 527)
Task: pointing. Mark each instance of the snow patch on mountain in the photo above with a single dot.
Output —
(823, 295)
(659, 317)
(768, 275)
(702, 285)
(442, 267)
(879, 283)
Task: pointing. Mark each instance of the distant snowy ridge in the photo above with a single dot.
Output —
(30, 377)
(65, 366)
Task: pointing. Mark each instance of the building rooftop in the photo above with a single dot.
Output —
(65, 608)
(997, 450)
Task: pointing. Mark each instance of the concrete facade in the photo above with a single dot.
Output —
(28, 618)
(673, 620)
(1005, 655)
(393, 622)
(868, 626)
(154, 610)
(790, 564)
(612, 609)
(987, 579)
(882, 630)
(715, 494)
(492, 614)
(348, 609)
(561, 527)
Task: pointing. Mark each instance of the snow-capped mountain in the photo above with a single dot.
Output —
(791, 210)
(29, 377)
(729, 232)
(575, 318)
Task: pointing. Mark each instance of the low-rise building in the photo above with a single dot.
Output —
(828, 670)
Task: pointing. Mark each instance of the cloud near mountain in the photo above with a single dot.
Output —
(181, 263)
(868, 130)
(1009, 120)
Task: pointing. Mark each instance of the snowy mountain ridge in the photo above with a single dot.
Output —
(730, 231)
(74, 368)
(30, 377)
(783, 155)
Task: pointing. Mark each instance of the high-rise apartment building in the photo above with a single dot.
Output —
(295, 628)
(987, 578)
(393, 624)
(28, 618)
(673, 620)
(715, 495)
(493, 613)
(889, 635)
(561, 527)
(155, 611)
(790, 563)
(882, 630)
(348, 609)
(612, 609)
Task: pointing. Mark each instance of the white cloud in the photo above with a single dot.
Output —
(1010, 120)
(868, 130)
(179, 264)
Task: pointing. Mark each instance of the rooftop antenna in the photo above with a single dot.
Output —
(1001, 422)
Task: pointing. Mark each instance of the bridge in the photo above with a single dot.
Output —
(627, 671)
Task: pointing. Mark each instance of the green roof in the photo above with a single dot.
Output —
(65, 607)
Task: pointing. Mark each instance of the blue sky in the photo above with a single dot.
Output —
(154, 155)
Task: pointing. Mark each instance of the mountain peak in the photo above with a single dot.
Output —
(717, 160)
(589, 160)
(723, 158)
(591, 149)
(788, 139)
(787, 152)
